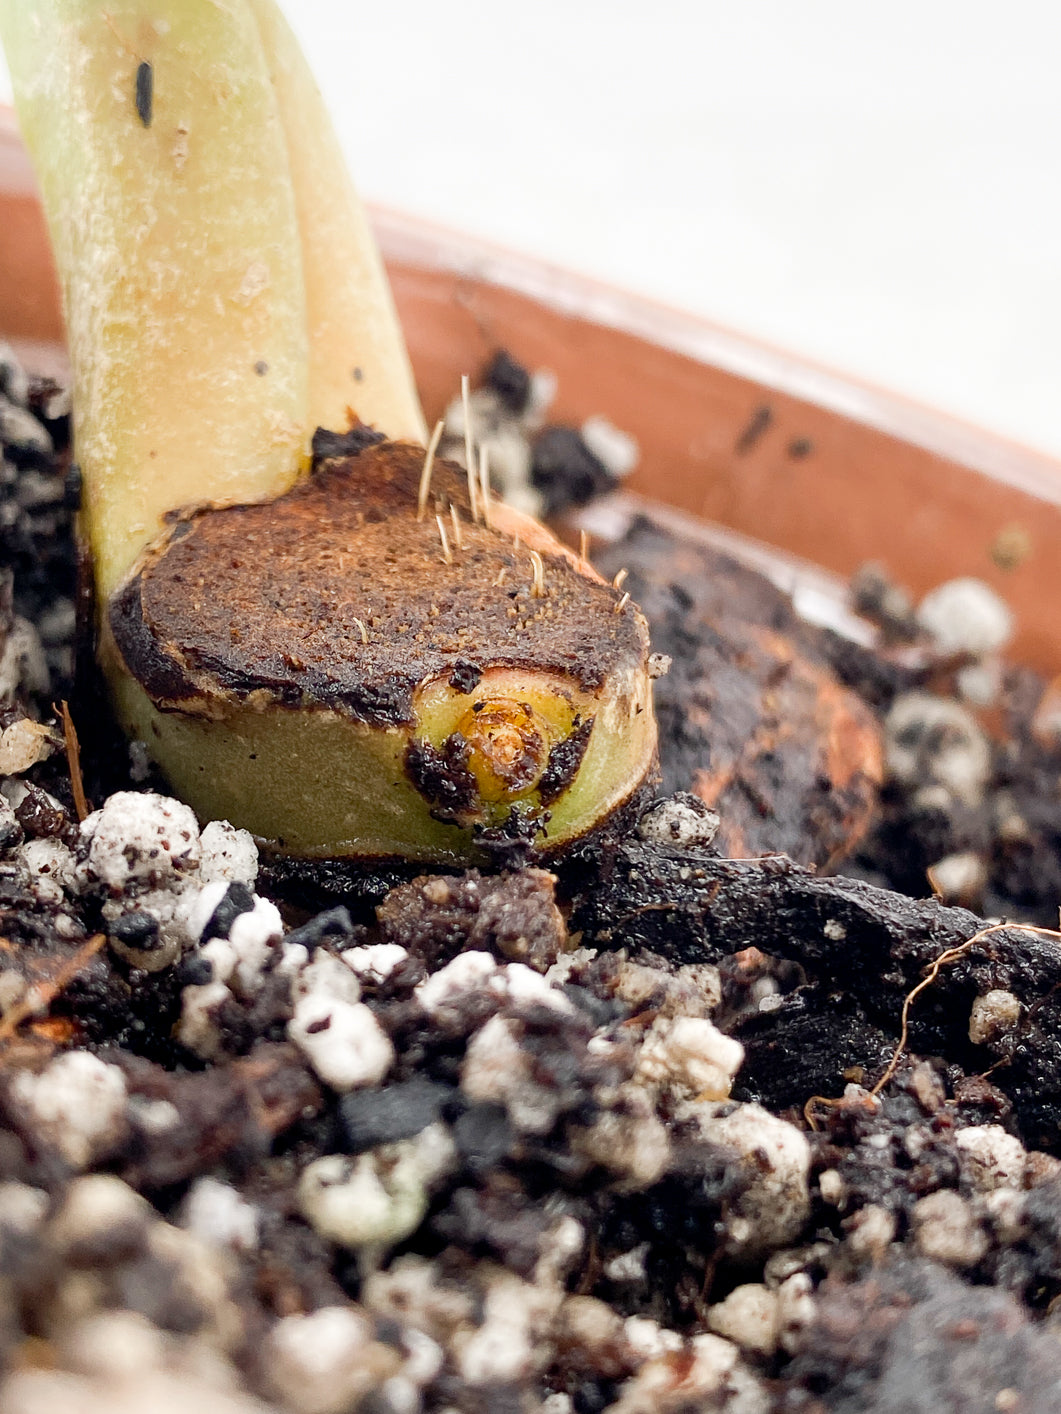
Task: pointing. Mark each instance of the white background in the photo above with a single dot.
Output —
(877, 186)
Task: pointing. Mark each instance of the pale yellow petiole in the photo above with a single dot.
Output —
(177, 251)
(222, 291)
(224, 297)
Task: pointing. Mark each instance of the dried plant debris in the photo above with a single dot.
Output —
(660, 1130)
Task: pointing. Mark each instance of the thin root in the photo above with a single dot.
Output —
(40, 996)
(447, 553)
(484, 483)
(538, 577)
(933, 973)
(73, 760)
(429, 462)
(469, 459)
(826, 1102)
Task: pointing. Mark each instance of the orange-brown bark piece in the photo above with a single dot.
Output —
(752, 719)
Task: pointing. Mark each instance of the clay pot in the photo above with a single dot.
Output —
(801, 460)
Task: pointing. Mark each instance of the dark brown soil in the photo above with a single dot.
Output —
(575, 1210)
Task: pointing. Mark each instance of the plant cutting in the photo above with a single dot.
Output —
(583, 1217)
(308, 646)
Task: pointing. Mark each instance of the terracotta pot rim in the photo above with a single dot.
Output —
(415, 240)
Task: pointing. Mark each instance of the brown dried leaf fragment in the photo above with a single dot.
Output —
(22, 745)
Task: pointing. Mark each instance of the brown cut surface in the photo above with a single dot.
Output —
(335, 595)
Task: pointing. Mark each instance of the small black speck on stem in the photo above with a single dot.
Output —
(145, 93)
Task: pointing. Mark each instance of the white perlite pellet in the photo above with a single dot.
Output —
(1005, 1209)
(776, 1156)
(557, 1403)
(201, 906)
(93, 1209)
(559, 1247)
(166, 907)
(219, 1216)
(198, 1029)
(966, 616)
(317, 1363)
(424, 1357)
(711, 1377)
(473, 971)
(22, 745)
(375, 961)
(496, 1067)
(147, 850)
(647, 1339)
(947, 1230)
(19, 428)
(692, 1055)
(239, 959)
(228, 854)
(326, 977)
(568, 964)
(293, 959)
(934, 741)
(683, 822)
(980, 683)
(749, 1316)
(140, 838)
(343, 1041)
(113, 1344)
(992, 1015)
(960, 877)
(628, 1266)
(991, 1158)
(796, 1310)
(22, 1208)
(153, 1116)
(468, 972)
(517, 985)
(157, 1391)
(412, 1291)
(832, 1188)
(502, 1349)
(251, 936)
(376, 1199)
(616, 450)
(634, 1143)
(78, 1104)
(51, 868)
